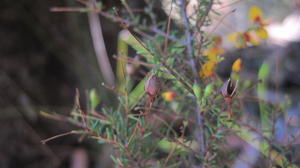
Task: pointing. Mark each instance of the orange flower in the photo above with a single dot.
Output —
(169, 96)
(214, 50)
(208, 69)
(217, 40)
(237, 65)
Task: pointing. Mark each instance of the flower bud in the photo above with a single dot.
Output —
(169, 96)
(229, 89)
(152, 86)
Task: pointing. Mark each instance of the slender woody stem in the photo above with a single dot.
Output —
(199, 133)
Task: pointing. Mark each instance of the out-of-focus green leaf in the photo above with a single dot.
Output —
(122, 60)
(94, 99)
(136, 94)
(261, 92)
(197, 91)
(208, 90)
(264, 71)
(167, 146)
(256, 141)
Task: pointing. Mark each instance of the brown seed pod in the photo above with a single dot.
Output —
(152, 86)
(229, 89)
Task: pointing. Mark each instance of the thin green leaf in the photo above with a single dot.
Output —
(122, 60)
(137, 93)
(261, 92)
(94, 98)
(136, 44)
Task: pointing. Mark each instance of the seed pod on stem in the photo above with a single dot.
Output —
(152, 88)
(228, 90)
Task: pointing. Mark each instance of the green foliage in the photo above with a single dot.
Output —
(264, 109)
(153, 131)
(94, 98)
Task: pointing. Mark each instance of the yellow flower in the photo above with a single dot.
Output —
(241, 39)
(262, 33)
(214, 50)
(253, 35)
(237, 65)
(234, 38)
(168, 96)
(256, 16)
(208, 69)
(212, 53)
(252, 38)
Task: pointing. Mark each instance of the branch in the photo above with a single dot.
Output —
(188, 33)
(201, 22)
(124, 22)
(100, 49)
(199, 133)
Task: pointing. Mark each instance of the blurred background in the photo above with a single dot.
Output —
(45, 56)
